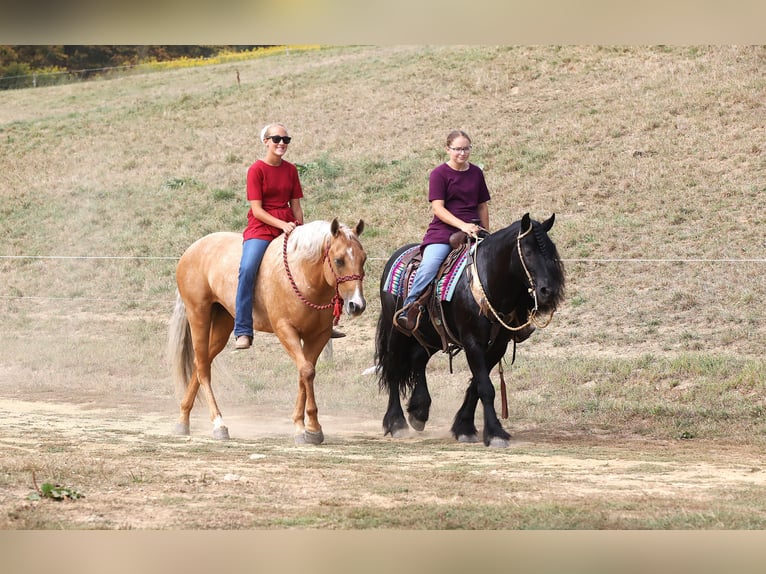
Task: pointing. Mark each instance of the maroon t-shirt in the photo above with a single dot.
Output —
(275, 186)
(461, 191)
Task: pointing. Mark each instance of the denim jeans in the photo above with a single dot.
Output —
(252, 255)
(433, 256)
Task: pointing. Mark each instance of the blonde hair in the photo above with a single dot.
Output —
(267, 129)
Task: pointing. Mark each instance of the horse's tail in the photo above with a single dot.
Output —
(180, 350)
(393, 355)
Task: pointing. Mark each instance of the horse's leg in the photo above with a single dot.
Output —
(305, 357)
(463, 427)
(394, 422)
(207, 336)
(494, 433)
(182, 426)
(395, 362)
(419, 405)
(220, 330)
(311, 351)
(192, 385)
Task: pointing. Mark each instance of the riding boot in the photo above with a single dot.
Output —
(337, 334)
(407, 319)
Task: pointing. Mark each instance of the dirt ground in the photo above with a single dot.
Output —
(135, 474)
(90, 407)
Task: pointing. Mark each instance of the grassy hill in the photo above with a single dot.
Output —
(644, 154)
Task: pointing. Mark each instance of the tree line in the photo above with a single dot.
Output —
(22, 65)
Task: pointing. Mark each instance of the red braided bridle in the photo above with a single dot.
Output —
(337, 301)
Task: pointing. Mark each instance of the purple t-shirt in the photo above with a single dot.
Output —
(461, 191)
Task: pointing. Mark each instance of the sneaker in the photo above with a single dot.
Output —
(243, 342)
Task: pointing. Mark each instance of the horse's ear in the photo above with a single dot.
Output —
(359, 228)
(548, 223)
(334, 227)
(526, 223)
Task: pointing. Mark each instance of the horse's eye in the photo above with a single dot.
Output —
(338, 262)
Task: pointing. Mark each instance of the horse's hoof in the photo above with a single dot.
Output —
(418, 425)
(181, 429)
(314, 437)
(221, 433)
(468, 438)
(497, 442)
(308, 437)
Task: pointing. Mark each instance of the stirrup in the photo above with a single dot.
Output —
(407, 319)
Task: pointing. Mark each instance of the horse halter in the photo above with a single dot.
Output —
(337, 301)
(532, 317)
(531, 290)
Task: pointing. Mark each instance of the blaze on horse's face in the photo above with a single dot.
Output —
(347, 258)
(543, 263)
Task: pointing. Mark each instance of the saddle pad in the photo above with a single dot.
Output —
(445, 286)
(394, 283)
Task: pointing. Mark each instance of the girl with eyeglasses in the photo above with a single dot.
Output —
(459, 200)
(274, 192)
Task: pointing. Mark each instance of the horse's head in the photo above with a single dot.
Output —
(346, 258)
(541, 263)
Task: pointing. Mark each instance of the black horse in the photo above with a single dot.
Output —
(515, 279)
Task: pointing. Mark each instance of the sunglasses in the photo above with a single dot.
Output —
(279, 139)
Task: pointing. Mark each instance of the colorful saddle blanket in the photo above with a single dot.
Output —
(445, 285)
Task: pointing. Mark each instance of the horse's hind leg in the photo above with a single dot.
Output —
(210, 337)
(187, 402)
(405, 361)
(220, 329)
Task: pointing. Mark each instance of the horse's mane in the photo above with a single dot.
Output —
(548, 250)
(544, 242)
(307, 241)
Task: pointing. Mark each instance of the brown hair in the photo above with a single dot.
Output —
(454, 134)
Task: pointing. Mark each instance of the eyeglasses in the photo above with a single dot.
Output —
(279, 139)
(462, 149)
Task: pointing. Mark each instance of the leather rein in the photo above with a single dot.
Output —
(337, 301)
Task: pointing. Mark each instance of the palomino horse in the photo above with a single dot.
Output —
(305, 279)
(515, 274)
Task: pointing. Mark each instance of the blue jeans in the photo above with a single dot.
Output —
(433, 256)
(252, 255)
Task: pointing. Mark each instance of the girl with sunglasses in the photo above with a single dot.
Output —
(274, 192)
(459, 200)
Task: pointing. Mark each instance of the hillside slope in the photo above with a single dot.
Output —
(642, 153)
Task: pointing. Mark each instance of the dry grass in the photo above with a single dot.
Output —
(643, 153)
